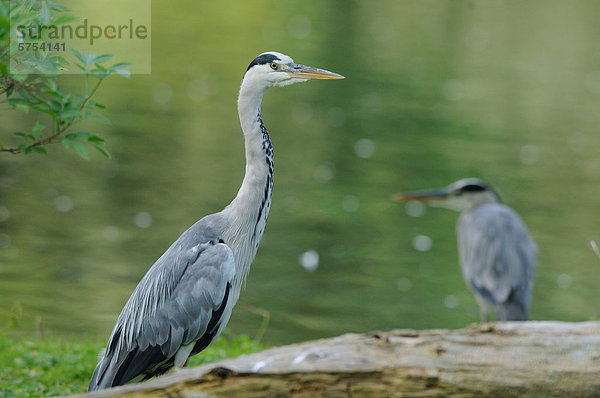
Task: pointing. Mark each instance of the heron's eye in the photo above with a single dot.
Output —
(274, 65)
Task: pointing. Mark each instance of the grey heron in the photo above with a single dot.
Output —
(496, 253)
(185, 299)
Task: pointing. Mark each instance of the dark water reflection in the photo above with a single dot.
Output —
(435, 91)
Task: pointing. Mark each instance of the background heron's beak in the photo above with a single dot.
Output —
(297, 71)
(422, 196)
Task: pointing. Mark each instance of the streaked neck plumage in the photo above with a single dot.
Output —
(247, 213)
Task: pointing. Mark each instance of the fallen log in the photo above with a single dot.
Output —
(507, 359)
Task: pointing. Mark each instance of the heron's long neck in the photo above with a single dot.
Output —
(248, 211)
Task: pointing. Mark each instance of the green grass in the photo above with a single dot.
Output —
(33, 367)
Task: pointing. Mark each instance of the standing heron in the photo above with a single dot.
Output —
(496, 253)
(185, 299)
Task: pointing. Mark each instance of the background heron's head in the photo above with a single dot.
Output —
(464, 194)
(275, 69)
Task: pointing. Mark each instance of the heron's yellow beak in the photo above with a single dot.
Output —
(422, 196)
(297, 71)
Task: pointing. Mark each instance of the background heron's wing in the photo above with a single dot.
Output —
(496, 253)
(181, 299)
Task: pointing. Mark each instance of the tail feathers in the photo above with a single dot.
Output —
(136, 366)
(98, 382)
(104, 373)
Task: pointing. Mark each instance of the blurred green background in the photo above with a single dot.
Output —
(507, 91)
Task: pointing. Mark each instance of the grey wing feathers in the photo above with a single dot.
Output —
(497, 255)
(182, 298)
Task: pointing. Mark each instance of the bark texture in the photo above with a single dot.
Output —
(509, 359)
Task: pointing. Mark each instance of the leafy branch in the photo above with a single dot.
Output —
(31, 91)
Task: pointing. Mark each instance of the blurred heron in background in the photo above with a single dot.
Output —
(185, 299)
(496, 253)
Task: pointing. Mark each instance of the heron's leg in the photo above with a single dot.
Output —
(483, 309)
(483, 314)
(182, 357)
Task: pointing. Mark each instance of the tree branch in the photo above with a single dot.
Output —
(504, 359)
(58, 130)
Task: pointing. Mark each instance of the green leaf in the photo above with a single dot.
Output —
(45, 12)
(77, 136)
(23, 93)
(103, 58)
(22, 107)
(20, 103)
(101, 119)
(100, 72)
(20, 78)
(52, 92)
(123, 72)
(42, 100)
(39, 149)
(14, 101)
(54, 104)
(100, 68)
(87, 59)
(20, 134)
(37, 128)
(52, 89)
(95, 138)
(97, 105)
(78, 55)
(45, 110)
(120, 68)
(121, 65)
(52, 85)
(77, 99)
(103, 151)
(61, 62)
(83, 68)
(59, 7)
(81, 150)
(69, 114)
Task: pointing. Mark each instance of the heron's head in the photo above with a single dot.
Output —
(461, 195)
(275, 69)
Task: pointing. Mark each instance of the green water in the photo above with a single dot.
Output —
(506, 91)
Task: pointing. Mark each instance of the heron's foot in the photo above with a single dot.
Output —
(174, 370)
(484, 309)
(484, 318)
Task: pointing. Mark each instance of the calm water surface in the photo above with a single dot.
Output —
(435, 91)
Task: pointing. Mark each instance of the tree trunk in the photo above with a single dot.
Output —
(508, 359)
